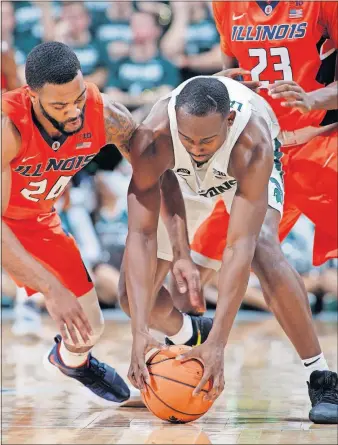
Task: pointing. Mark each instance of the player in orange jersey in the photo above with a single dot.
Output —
(51, 128)
(277, 43)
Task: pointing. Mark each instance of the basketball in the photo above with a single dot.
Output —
(169, 395)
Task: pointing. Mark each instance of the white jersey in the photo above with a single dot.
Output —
(212, 180)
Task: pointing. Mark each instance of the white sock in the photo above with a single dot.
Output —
(72, 359)
(185, 333)
(316, 363)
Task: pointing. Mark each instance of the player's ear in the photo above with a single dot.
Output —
(231, 117)
(33, 95)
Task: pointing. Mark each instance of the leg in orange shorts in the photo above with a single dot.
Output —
(311, 189)
(55, 249)
(44, 238)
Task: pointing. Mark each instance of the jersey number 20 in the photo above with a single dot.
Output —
(40, 187)
(262, 55)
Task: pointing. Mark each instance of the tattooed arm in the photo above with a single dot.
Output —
(119, 125)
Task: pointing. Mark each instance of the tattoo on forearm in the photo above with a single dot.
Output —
(119, 127)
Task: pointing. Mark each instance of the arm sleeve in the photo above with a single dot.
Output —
(219, 9)
(328, 20)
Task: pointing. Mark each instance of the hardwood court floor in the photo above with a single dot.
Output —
(264, 402)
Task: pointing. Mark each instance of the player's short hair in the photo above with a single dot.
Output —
(204, 95)
(51, 62)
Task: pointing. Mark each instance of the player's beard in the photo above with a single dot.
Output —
(60, 126)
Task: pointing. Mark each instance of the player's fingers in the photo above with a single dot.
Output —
(72, 331)
(131, 377)
(217, 389)
(139, 380)
(204, 380)
(252, 84)
(136, 375)
(154, 344)
(134, 379)
(197, 280)
(287, 95)
(85, 321)
(194, 285)
(180, 280)
(78, 323)
(230, 72)
(144, 376)
(186, 356)
(63, 330)
(234, 72)
(284, 89)
(281, 82)
(293, 103)
(196, 297)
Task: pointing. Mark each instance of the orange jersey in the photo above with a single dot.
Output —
(43, 168)
(277, 41)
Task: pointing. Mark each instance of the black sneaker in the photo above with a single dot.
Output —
(323, 392)
(98, 377)
(201, 326)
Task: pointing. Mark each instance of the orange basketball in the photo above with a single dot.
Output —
(169, 395)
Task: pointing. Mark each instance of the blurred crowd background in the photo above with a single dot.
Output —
(136, 52)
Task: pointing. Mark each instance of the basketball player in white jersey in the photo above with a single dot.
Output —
(220, 140)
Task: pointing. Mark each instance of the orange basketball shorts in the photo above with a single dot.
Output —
(44, 238)
(310, 183)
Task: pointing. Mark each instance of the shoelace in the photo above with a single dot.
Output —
(97, 367)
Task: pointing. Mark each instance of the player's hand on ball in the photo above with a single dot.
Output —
(235, 72)
(212, 356)
(187, 278)
(67, 312)
(138, 373)
(294, 95)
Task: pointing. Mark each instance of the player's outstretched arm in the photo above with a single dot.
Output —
(294, 96)
(173, 213)
(144, 200)
(61, 303)
(251, 165)
(252, 171)
(15, 258)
